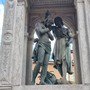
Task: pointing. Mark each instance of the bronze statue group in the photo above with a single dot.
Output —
(42, 50)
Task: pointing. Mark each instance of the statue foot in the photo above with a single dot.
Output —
(63, 81)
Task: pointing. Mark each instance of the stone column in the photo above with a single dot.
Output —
(24, 58)
(12, 43)
(25, 49)
(87, 14)
(19, 43)
(78, 78)
(29, 59)
(83, 42)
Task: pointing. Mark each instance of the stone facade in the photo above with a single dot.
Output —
(13, 69)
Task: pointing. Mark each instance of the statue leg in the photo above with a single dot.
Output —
(59, 68)
(41, 53)
(64, 69)
(44, 68)
(68, 60)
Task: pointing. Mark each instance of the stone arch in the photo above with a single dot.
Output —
(70, 24)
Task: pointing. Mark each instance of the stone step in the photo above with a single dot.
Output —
(52, 87)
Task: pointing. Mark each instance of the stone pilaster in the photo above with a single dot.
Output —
(78, 78)
(12, 43)
(18, 48)
(83, 42)
(7, 43)
(87, 14)
(24, 57)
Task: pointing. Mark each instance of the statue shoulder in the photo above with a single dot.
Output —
(64, 30)
(39, 24)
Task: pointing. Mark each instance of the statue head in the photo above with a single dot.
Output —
(48, 21)
(58, 21)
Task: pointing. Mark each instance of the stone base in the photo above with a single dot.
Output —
(53, 87)
(5, 88)
(48, 87)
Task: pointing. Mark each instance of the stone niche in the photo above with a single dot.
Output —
(17, 41)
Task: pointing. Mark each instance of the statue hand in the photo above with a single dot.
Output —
(67, 44)
(36, 40)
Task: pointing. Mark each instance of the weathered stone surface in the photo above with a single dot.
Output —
(83, 43)
(7, 43)
(53, 87)
(5, 88)
(18, 42)
(11, 61)
(29, 61)
(87, 14)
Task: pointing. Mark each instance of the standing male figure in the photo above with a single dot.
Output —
(43, 50)
(59, 55)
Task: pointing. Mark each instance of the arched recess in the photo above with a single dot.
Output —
(72, 27)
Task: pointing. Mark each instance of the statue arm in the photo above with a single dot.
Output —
(42, 29)
(50, 36)
(36, 40)
(70, 39)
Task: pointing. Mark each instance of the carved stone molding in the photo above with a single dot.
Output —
(21, 0)
(50, 3)
(7, 37)
(5, 65)
(10, 4)
(80, 1)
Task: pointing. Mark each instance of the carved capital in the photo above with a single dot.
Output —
(80, 1)
(21, 0)
(30, 37)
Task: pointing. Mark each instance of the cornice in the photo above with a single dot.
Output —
(51, 3)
